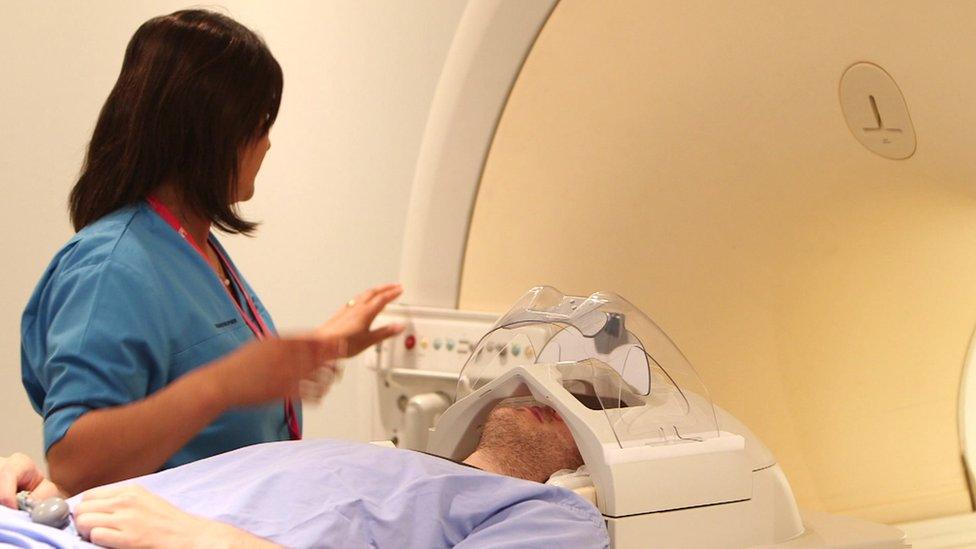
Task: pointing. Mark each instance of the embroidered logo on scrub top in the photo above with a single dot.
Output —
(225, 323)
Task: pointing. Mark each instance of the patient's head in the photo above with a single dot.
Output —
(526, 440)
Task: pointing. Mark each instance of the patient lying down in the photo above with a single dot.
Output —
(328, 493)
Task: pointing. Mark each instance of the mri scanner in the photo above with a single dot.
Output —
(667, 467)
(785, 186)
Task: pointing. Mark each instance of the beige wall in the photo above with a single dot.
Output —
(359, 78)
(693, 158)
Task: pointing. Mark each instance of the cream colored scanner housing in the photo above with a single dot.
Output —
(696, 157)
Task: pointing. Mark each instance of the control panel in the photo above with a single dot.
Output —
(433, 339)
(397, 389)
(417, 371)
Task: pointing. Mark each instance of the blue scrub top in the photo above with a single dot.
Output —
(124, 309)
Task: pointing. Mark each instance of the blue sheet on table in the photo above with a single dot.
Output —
(326, 493)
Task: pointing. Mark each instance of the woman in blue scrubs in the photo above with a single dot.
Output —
(143, 347)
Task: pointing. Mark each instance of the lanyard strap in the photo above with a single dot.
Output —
(254, 320)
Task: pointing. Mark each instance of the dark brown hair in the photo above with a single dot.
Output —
(195, 88)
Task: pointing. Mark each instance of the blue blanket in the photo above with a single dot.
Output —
(327, 493)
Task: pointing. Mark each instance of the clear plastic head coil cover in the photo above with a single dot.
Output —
(606, 353)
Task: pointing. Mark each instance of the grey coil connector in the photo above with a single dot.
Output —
(52, 512)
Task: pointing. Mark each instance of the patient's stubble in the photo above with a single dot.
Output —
(525, 443)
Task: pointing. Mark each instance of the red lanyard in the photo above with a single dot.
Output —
(254, 320)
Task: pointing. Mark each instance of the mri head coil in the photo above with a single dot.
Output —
(643, 421)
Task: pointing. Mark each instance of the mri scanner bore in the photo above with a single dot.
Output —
(705, 168)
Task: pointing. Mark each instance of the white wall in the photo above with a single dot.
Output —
(359, 77)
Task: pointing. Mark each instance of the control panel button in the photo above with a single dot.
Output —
(450, 344)
(410, 342)
(516, 349)
(438, 343)
(423, 343)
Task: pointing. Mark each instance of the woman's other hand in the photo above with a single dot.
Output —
(274, 368)
(353, 323)
(18, 472)
(131, 516)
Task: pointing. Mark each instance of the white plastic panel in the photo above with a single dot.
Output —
(415, 374)
(434, 339)
(942, 533)
(492, 41)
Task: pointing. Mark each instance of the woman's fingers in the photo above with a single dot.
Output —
(379, 302)
(367, 297)
(363, 297)
(107, 537)
(8, 482)
(368, 294)
(384, 297)
(384, 287)
(17, 472)
(105, 492)
(87, 521)
(383, 332)
(100, 505)
(349, 328)
(46, 489)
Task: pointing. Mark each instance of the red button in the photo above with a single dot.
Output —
(410, 342)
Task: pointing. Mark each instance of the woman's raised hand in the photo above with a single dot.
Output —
(274, 368)
(18, 472)
(302, 366)
(353, 323)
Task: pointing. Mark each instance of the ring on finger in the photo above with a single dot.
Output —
(351, 303)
